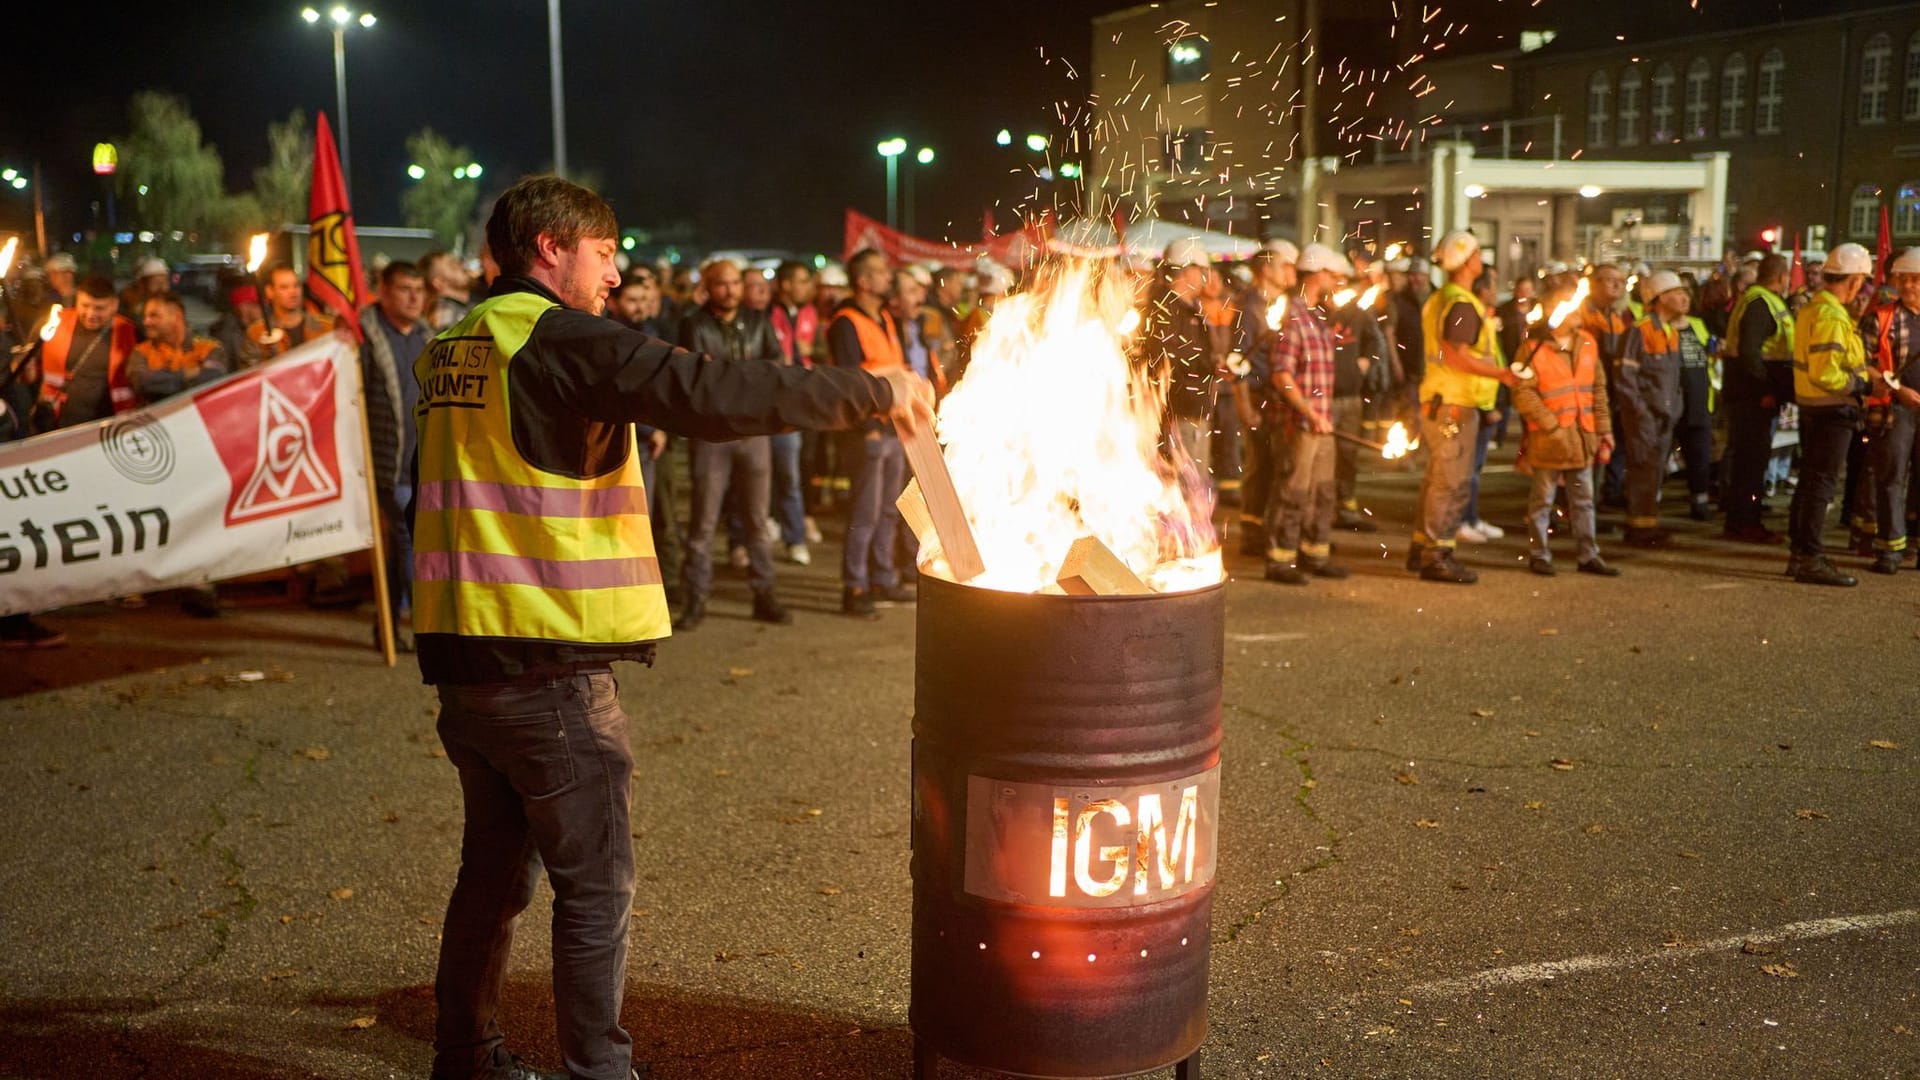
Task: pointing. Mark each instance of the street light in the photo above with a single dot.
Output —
(924, 157)
(1037, 143)
(1005, 138)
(891, 149)
(415, 172)
(341, 17)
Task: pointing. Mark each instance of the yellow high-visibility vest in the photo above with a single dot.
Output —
(502, 548)
(1463, 388)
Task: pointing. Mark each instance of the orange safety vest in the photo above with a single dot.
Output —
(1566, 383)
(54, 375)
(880, 348)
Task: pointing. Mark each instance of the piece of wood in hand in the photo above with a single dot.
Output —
(1092, 569)
(943, 505)
(913, 510)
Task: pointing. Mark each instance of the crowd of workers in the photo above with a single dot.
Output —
(1280, 371)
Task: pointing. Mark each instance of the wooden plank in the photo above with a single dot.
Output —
(943, 505)
(1092, 569)
(913, 510)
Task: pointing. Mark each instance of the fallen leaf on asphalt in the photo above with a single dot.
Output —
(1884, 744)
(1688, 854)
(274, 976)
(1531, 734)
(360, 1023)
(739, 672)
(1427, 823)
(722, 956)
(1783, 970)
(723, 772)
(342, 893)
(1754, 948)
(1482, 713)
(313, 753)
(1405, 1001)
(1562, 764)
(816, 812)
(641, 913)
(1673, 941)
(1549, 632)
(1902, 1029)
(1595, 829)
(1308, 783)
(830, 890)
(1534, 804)
(1405, 778)
(1805, 814)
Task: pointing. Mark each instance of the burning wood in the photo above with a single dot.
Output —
(913, 510)
(1092, 569)
(944, 510)
(1397, 445)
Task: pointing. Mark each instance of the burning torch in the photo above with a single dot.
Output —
(1397, 446)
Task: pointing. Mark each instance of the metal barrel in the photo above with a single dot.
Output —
(1066, 763)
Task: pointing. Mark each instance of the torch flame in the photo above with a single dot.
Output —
(1343, 298)
(53, 324)
(1392, 252)
(256, 252)
(1130, 323)
(1054, 435)
(1398, 445)
(1566, 307)
(6, 255)
(1277, 313)
(1367, 298)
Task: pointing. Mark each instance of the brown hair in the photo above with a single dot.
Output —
(564, 211)
(171, 300)
(98, 286)
(399, 269)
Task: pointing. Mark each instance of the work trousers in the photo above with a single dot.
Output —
(789, 506)
(1349, 416)
(879, 476)
(545, 774)
(1649, 404)
(1749, 444)
(1893, 453)
(1450, 438)
(745, 466)
(1300, 509)
(1579, 485)
(1825, 432)
(1256, 482)
(1696, 450)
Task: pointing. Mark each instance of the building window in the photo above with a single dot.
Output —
(1186, 152)
(1663, 103)
(1630, 107)
(1769, 93)
(1188, 60)
(1599, 104)
(1733, 96)
(1699, 80)
(1863, 218)
(1876, 75)
(1906, 209)
(1910, 90)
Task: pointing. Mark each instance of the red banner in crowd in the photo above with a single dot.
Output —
(1008, 249)
(335, 279)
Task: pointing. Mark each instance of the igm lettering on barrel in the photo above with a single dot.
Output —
(458, 371)
(1091, 846)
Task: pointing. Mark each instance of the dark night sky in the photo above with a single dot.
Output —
(756, 120)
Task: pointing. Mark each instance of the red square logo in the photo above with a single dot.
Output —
(275, 436)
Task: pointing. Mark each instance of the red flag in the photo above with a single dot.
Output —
(335, 281)
(1798, 280)
(1883, 250)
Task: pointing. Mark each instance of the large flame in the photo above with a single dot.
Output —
(256, 252)
(1570, 305)
(1054, 434)
(6, 255)
(1398, 445)
(52, 325)
(1277, 312)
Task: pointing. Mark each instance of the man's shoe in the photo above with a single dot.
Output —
(1469, 533)
(1887, 562)
(858, 603)
(897, 594)
(515, 1069)
(1818, 571)
(798, 555)
(1286, 574)
(1598, 568)
(1751, 534)
(1354, 521)
(737, 558)
(813, 530)
(201, 604)
(768, 610)
(692, 615)
(1543, 567)
(1414, 551)
(30, 634)
(1489, 530)
(1648, 537)
(1448, 570)
(1795, 564)
(1328, 570)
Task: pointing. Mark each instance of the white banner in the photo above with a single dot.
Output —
(263, 469)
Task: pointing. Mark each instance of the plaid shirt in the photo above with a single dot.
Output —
(1305, 351)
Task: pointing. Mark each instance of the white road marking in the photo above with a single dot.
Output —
(1581, 965)
(1290, 635)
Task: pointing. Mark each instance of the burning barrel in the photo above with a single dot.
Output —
(1066, 783)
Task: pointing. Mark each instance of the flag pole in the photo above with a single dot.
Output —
(382, 594)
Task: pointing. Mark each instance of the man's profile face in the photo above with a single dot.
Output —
(405, 298)
(1674, 304)
(1908, 286)
(586, 273)
(908, 294)
(283, 292)
(796, 288)
(875, 276)
(1608, 286)
(163, 322)
(724, 286)
(95, 311)
(61, 281)
(756, 291)
(628, 302)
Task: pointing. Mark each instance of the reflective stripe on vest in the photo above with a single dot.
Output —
(1566, 384)
(53, 363)
(1462, 388)
(503, 548)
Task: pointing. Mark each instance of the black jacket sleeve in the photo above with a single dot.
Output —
(607, 372)
(1756, 326)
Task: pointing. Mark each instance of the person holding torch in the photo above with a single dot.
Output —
(1562, 395)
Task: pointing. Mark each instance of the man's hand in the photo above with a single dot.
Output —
(1908, 396)
(912, 401)
(656, 444)
(1604, 453)
(1320, 425)
(1507, 377)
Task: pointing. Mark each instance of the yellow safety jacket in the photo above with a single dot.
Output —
(1829, 360)
(501, 548)
(1462, 388)
(1780, 345)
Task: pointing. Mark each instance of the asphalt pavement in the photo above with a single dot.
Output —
(1658, 826)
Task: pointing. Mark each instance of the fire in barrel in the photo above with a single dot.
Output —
(1067, 705)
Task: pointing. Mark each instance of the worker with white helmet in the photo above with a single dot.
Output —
(1892, 333)
(150, 278)
(1462, 380)
(1830, 377)
(1648, 387)
(1263, 309)
(1300, 509)
(1178, 344)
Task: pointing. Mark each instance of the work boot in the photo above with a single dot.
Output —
(1355, 521)
(1796, 563)
(1447, 569)
(1648, 536)
(897, 594)
(1887, 562)
(1751, 534)
(1286, 573)
(768, 610)
(1414, 551)
(1325, 569)
(1818, 571)
(1543, 567)
(692, 615)
(798, 555)
(1598, 568)
(1700, 510)
(858, 603)
(23, 632)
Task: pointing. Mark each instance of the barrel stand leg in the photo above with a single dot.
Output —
(925, 1062)
(1188, 1069)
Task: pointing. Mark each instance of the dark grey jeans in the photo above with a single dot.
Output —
(744, 466)
(545, 771)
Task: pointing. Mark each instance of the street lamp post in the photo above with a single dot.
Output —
(924, 157)
(558, 90)
(891, 150)
(341, 18)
